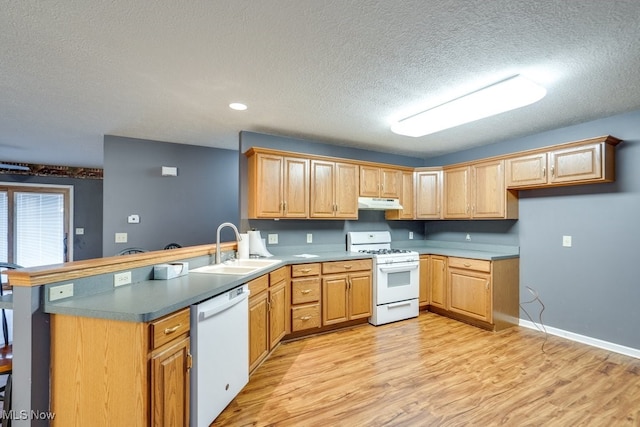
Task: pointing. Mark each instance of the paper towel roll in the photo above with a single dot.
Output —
(256, 244)
(243, 246)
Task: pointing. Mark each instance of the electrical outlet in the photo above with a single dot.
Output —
(468, 236)
(79, 231)
(273, 239)
(121, 237)
(120, 279)
(309, 238)
(59, 292)
(566, 241)
(411, 235)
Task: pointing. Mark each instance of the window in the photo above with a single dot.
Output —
(34, 224)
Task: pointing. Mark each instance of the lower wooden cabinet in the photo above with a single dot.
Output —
(482, 292)
(347, 295)
(470, 288)
(268, 314)
(438, 281)
(111, 372)
(305, 297)
(170, 385)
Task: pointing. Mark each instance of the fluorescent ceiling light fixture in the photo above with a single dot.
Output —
(509, 94)
(237, 106)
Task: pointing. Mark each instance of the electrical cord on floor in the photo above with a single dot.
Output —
(540, 328)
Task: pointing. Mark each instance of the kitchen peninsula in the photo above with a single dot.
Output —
(103, 339)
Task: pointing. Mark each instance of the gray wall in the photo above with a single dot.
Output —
(293, 232)
(591, 288)
(186, 209)
(87, 210)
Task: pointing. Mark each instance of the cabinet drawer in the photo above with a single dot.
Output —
(278, 275)
(301, 270)
(169, 327)
(470, 264)
(346, 266)
(305, 290)
(258, 285)
(305, 317)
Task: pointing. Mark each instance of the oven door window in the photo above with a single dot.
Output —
(397, 283)
(400, 278)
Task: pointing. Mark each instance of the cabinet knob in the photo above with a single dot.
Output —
(305, 317)
(348, 267)
(553, 171)
(305, 291)
(305, 270)
(467, 265)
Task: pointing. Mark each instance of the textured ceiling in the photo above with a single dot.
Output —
(334, 70)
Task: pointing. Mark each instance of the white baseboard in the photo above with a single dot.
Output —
(616, 348)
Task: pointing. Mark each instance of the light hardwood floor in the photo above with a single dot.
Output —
(433, 371)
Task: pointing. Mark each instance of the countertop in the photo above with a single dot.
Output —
(151, 299)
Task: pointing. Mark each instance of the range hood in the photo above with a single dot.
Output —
(376, 204)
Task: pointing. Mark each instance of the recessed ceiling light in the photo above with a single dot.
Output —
(237, 106)
(509, 94)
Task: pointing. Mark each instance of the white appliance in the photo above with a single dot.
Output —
(377, 204)
(396, 276)
(220, 349)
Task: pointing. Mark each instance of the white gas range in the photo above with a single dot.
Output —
(396, 278)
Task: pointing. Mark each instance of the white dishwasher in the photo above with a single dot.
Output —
(220, 349)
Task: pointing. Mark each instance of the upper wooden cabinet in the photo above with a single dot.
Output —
(278, 186)
(407, 199)
(334, 190)
(582, 162)
(478, 191)
(429, 194)
(380, 182)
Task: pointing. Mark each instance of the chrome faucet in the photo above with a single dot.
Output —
(224, 224)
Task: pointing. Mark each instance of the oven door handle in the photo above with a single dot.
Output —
(396, 269)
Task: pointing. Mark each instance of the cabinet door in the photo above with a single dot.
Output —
(170, 385)
(278, 312)
(296, 188)
(425, 273)
(576, 164)
(438, 282)
(407, 199)
(527, 171)
(488, 190)
(428, 194)
(334, 299)
(470, 293)
(456, 193)
(369, 181)
(269, 186)
(346, 191)
(390, 183)
(322, 189)
(258, 329)
(360, 295)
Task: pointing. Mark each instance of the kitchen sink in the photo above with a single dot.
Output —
(237, 267)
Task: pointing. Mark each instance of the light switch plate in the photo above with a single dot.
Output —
(309, 238)
(411, 235)
(566, 241)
